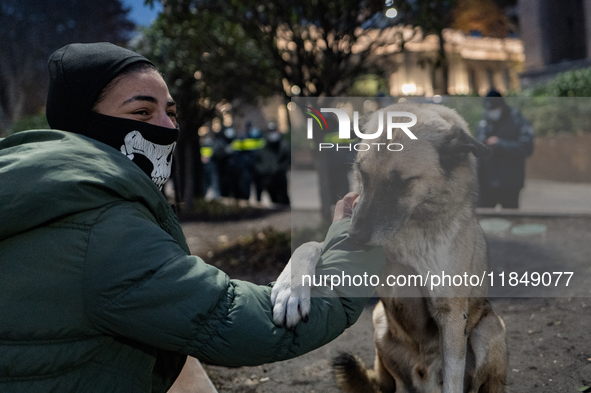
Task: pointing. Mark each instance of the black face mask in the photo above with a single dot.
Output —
(147, 145)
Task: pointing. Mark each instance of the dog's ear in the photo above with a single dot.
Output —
(466, 143)
(456, 146)
(459, 142)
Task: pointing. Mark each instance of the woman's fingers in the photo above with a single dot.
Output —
(344, 207)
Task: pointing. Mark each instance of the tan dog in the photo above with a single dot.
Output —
(418, 204)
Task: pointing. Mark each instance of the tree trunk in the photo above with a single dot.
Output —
(443, 64)
(188, 174)
(324, 181)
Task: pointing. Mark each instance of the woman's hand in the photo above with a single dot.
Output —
(344, 207)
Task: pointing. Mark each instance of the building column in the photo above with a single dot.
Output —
(531, 33)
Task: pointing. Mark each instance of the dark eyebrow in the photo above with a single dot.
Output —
(148, 99)
(141, 98)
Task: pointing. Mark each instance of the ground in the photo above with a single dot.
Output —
(548, 337)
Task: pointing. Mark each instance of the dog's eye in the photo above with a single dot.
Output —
(399, 184)
(363, 176)
(409, 179)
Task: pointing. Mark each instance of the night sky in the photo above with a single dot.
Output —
(140, 14)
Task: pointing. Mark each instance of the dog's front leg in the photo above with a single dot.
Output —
(290, 298)
(451, 317)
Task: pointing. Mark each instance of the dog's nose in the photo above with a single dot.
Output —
(359, 236)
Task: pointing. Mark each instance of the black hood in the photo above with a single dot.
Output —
(77, 75)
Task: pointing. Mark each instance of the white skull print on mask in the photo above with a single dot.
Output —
(159, 155)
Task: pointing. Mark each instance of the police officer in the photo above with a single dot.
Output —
(273, 163)
(501, 177)
(222, 152)
(210, 174)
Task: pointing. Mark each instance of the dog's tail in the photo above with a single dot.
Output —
(352, 376)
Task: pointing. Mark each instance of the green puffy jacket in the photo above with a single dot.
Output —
(98, 292)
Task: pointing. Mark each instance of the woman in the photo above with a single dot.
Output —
(98, 291)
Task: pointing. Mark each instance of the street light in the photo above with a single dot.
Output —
(392, 13)
(409, 89)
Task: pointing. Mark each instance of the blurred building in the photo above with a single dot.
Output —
(556, 36)
(475, 64)
(407, 62)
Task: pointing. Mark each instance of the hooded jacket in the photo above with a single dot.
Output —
(77, 75)
(98, 292)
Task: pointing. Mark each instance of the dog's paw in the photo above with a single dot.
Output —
(290, 299)
(288, 309)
